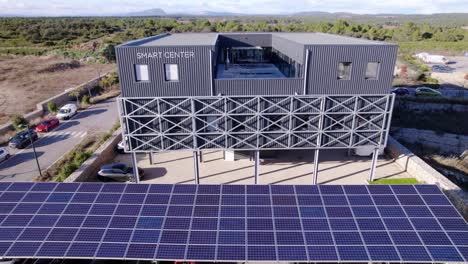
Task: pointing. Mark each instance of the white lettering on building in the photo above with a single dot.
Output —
(166, 55)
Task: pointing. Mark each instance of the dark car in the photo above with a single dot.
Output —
(47, 125)
(442, 69)
(21, 140)
(400, 91)
(117, 172)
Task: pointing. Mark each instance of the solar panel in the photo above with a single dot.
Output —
(237, 223)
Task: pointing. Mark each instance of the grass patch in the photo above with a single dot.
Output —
(442, 47)
(395, 181)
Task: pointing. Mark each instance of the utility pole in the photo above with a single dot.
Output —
(34, 149)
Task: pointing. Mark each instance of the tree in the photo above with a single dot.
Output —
(18, 121)
(52, 107)
(76, 93)
(109, 52)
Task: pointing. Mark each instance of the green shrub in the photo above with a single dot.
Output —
(85, 100)
(19, 122)
(52, 107)
(80, 157)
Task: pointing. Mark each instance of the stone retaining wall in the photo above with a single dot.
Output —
(415, 106)
(103, 155)
(446, 142)
(425, 173)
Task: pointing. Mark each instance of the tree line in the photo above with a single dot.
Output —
(52, 32)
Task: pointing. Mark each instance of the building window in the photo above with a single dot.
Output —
(344, 70)
(372, 70)
(141, 73)
(171, 72)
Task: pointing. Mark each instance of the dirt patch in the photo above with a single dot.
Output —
(24, 81)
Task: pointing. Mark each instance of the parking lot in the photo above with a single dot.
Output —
(53, 145)
(290, 167)
(460, 65)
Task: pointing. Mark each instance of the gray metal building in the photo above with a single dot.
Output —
(255, 91)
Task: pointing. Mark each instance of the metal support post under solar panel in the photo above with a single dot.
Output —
(257, 159)
(136, 174)
(316, 166)
(150, 155)
(196, 168)
(375, 156)
(201, 156)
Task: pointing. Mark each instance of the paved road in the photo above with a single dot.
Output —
(53, 145)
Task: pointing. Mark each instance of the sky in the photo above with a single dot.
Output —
(113, 7)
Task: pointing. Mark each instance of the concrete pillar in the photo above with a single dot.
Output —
(257, 163)
(196, 168)
(375, 156)
(150, 156)
(316, 167)
(136, 174)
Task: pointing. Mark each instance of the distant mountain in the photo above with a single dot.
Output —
(311, 13)
(212, 13)
(149, 12)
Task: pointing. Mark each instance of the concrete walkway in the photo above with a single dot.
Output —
(293, 167)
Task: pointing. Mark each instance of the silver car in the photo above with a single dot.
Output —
(117, 172)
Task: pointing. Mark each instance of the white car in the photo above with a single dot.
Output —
(4, 154)
(67, 111)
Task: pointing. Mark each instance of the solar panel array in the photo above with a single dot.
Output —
(326, 223)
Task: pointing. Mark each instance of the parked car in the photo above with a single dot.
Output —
(117, 172)
(426, 91)
(442, 68)
(21, 140)
(47, 125)
(4, 154)
(400, 91)
(67, 111)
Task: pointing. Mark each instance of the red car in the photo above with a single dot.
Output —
(47, 125)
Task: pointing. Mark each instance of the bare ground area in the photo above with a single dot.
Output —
(28, 80)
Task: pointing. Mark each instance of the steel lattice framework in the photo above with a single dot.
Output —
(255, 122)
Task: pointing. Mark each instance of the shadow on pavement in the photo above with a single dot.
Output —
(153, 173)
(89, 113)
(18, 159)
(66, 125)
(49, 140)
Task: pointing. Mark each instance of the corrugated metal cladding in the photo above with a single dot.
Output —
(290, 48)
(284, 86)
(323, 68)
(242, 40)
(194, 72)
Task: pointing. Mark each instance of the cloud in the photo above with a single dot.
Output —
(109, 7)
